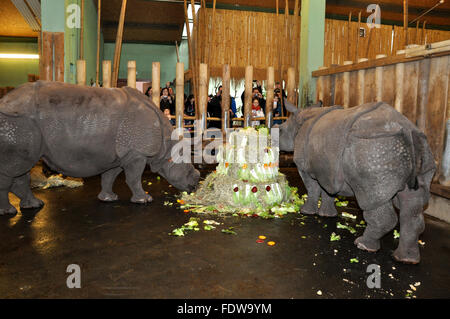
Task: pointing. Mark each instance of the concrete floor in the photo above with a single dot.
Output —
(124, 251)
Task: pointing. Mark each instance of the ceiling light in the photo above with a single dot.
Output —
(18, 56)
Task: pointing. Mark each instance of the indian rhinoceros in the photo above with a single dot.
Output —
(371, 152)
(81, 132)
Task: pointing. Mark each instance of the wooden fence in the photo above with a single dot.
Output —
(415, 82)
(343, 43)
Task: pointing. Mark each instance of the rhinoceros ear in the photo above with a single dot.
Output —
(290, 107)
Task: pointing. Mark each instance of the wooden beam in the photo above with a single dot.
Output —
(99, 14)
(118, 48)
(81, 72)
(226, 76)
(106, 68)
(58, 41)
(156, 83)
(248, 95)
(270, 85)
(405, 21)
(131, 78)
(179, 100)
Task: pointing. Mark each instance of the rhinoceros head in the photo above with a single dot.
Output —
(183, 176)
(289, 129)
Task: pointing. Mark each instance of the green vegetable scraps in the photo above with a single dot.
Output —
(354, 260)
(348, 215)
(396, 234)
(349, 228)
(192, 224)
(158, 178)
(229, 231)
(335, 237)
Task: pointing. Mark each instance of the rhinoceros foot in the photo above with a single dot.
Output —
(31, 203)
(142, 199)
(411, 256)
(369, 245)
(107, 197)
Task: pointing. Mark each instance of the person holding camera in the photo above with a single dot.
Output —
(166, 101)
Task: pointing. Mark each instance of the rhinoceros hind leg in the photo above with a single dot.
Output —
(133, 174)
(108, 178)
(5, 207)
(327, 207)
(21, 188)
(379, 221)
(411, 225)
(313, 188)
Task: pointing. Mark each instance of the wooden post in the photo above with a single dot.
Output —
(58, 38)
(424, 34)
(226, 75)
(361, 84)
(81, 72)
(379, 79)
(131, 79)
(106, 68)
(357, 37)
(81, 55)
(248, 95)
(192, 66)
(47, 56)
(156, 83)
(290, 85)
(270, 94)
(179, 100)
(118, 48)
(99, 14)
(405, 21)
(203, 94)
(348, 35)
(346, 86)
(399, 78)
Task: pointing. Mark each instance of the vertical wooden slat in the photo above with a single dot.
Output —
(118, 48)
(179, 100)
(270, 85)
(346, 86)
(436, 107)
(106, 76)
(379, 80)
(81, 72)
(410, 86)
(361, 85)
(156, 83)
(290, 85)
(58, 38)
(399, 80)
(131, 79)
(47, 56)
(203, 94)
(226, 75)
(248, 95)
(99, 15)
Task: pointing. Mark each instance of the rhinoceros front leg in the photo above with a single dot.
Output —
(313, 188)
(5, 207)
(133, 173)
(327, 207)
(21, 188)
(379, 221)
(108, 178)
(411, 225)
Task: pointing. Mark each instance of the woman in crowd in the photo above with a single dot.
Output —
(167, 102)
(256, 111)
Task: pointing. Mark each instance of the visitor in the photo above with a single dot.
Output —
(166, 101)
(149, 92)
(257, 111)
(276, 109)
(189, 109)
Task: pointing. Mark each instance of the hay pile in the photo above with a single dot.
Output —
(246, 180)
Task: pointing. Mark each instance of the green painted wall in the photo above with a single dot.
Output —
(14, 72)
(72, 42)
(145, 55)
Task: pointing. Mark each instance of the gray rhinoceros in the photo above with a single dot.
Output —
(371, 152)
(81, 132)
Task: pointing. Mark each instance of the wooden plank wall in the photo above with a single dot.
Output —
(340, 47)
(242, 38)
(417, 87)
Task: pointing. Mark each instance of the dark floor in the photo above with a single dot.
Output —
(124, 250)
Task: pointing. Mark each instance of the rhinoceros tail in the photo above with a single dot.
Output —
(425, 166)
